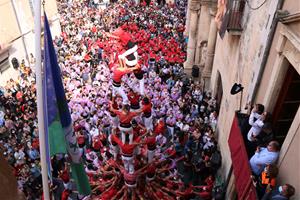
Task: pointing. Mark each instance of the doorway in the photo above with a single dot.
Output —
(287, 104)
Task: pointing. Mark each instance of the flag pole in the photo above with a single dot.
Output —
(39, 89)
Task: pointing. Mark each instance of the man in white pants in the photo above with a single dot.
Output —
(127, 151)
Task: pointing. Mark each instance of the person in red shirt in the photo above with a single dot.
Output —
(114, 149)
(96, 143)
(138, 129)
(65, 177)
(159, 127)
(147, 113)
(113, 116)
(151, 146)
(134, 100)
(130, 56)
(125, 117)
(130, 179)
(65, 194)
(127, 151)
(118, 72)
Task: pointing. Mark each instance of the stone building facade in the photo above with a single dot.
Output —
(16, 32)
(256, 44)
(201, 30)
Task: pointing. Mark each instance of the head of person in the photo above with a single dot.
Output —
(126, 108)
(146, 100)
(286, 190)
(134, 123)
(260, 108)
(273, 146)
(271, 170)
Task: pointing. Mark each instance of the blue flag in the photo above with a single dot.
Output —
(58, 123)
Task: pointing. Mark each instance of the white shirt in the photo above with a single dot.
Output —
(256, 126)
(259, 160)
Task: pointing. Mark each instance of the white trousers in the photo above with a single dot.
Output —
(128, 164)
(148, 121)
(120, 91)
(142, 86)
(124, 137)
(125, 131)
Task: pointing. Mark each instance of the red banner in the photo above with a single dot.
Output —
(240, 164)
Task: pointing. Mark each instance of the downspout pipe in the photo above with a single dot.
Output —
(267, 51)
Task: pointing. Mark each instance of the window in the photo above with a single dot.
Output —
(4, 65)
(231, 21)
(236, 13)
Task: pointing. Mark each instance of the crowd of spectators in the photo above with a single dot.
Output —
(186, 156)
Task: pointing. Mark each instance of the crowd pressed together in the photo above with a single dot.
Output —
(144, 131)
(157, 142)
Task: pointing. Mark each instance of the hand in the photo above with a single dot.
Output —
(257, 150)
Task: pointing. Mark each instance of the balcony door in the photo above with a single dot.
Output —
(287, 104)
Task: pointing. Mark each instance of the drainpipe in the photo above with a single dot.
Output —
(20, 28)
(267, 51)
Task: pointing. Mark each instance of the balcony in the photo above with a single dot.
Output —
(236, 11)
(231, 21)
(240, 161)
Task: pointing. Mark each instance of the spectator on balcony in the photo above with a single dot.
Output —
(264, 156)
(283, 192)
(267, 180)
(256, 120)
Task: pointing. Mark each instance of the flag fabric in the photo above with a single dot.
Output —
(58, 123)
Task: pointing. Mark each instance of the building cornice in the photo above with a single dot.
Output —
(288, 18)
(291, 36)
